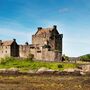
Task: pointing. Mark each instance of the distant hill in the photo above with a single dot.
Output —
(85, 57)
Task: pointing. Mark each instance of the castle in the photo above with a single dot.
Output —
(46, 45)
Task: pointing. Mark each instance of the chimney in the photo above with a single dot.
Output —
(26, 43)
(54, 26)
(0, 42)
(39, 28)
(14, 40)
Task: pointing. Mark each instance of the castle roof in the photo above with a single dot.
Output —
(7, 43)
(44, 30)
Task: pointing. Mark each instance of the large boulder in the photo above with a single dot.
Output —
(44, 70)
(86, 68)
(3, 70)
(32, 71)
(14, 69)
(71, 70)
(9, 71)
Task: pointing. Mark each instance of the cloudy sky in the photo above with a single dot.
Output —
(20, 18)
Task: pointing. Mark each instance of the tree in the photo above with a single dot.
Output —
(65, 58)
(85, 57)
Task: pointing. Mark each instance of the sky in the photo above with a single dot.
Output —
(19, 19)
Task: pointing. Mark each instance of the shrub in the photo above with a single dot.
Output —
(85, 57)
(30, 57)
(60, 66)
(65, 58)
(6, 59)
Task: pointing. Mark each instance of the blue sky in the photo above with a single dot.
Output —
(20, 18)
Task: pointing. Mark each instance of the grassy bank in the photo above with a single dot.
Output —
(25, 65)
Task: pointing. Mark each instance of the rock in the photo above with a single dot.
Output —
(3, 70)
(72, 70)
(79, 67)
(86, 68)
(75, 73)
(69, 70)
(31, 71)
(41, 70)
(13, 69)
(82, 73)
(9, 71)
(44, 70)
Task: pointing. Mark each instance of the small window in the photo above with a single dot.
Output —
(38, 51)
(32, 47)
(6, 46)
(6, 51)
(2, 51)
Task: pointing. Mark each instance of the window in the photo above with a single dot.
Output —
(32, 47)
(38, 51)
(6, 51)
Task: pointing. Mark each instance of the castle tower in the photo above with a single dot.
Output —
(52, 36)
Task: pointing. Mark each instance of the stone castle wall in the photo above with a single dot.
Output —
(46, 45)
(5, 51)
(40, 39)
(51, 55)
(9, 48)
(43, 55)
(24, 51)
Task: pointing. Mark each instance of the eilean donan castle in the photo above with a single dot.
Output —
(46, 46)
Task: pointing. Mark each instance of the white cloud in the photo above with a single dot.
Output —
(21, 36)
(10, 29)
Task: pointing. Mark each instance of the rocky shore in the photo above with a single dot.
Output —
(83, 70)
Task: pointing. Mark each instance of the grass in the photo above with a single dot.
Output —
(44, 83)
(25, 65)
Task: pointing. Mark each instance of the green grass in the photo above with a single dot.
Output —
(25, 65)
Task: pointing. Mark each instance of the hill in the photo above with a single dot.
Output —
(85, 57)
